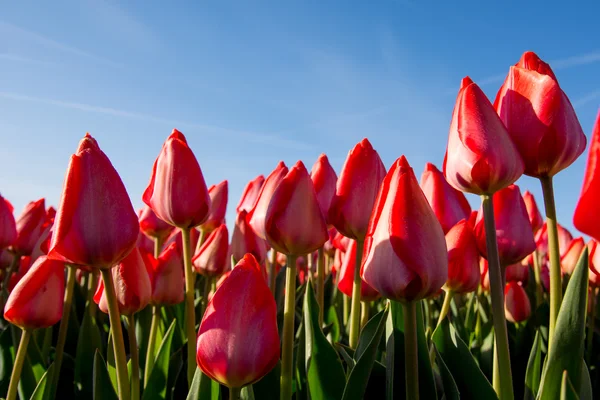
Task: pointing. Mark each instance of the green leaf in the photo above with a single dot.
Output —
(157, 385)
(471, 382)
(103, 387)
(567, 345)
(111, 365)
(365, 354)
(88, 343)
(534, 369)
(7, 355)
(331, 319)
(585, 392)
(46, 343)
(567, 392)
(40, 390)
(247, 393)
(203, 388)
(324, 370)
(450, 389)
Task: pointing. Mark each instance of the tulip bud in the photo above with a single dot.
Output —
(328, 247)
(484, 272)
(569, 260)
(250, 194)
(8, 227)
(37, 300)
(463, 259)
(564, 239)
(145, 243)
(238, 341)
(175, 237)
(341, 242)
(218, 207)
(41, 245)
(481, 157)
(517, 273)
(517, 307)
(448, 204)
(166, 276)
(212, 258)
(324, 180)
(539, 117)
(405, 250)
(177, 192)
(152, 226)
(367, 293)
(23, 267)
(356, 191)
(244, 240)
(29, 227)
(96, 224)
(535, 217)
(256, 216)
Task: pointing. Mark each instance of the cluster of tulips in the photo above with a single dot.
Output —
(367, 285)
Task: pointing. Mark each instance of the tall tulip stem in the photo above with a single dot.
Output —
(411, 350)
(208, 280)
(355, 308)
(554, 253)
(91, 288)
(445, 306)
(321, 284)
(504, 388)
(288, 329)
(18, 365)
(235, 393)
(539, 290)
(135, 359)
(151, 343)
(115, 324)
(273, 270)
(190, 317)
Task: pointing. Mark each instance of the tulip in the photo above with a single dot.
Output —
(484, 272)
(29, 227)
(244, 240)
(517, 273)
(535, 217)
(8, 228)
(166, 276)
(328, 247)
(152, 226)
(324, 180)
(147, 245)
(564, 239)
(218, 207)
(448, 204)
(256, 216)
(250, 194)
(212, 258)
(517, 307)
(24, 265)
(176, 237)
(50, 215)
(227, 328)
(463, 259)
(40, 248)
(569, 259)
(367, 293)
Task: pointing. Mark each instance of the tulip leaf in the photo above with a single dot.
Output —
(88, 342)
(40, 391)
(470, 381)
(450, 389)
(203, 388)
(567, 345)
(331, 319)
(157, 385)
(585, 392)
(365, 354)
(143, 319)
(534, 369)
(46, 342)
(111, 365)
(324, 369)
(103, 388)
(567, 392)
(7, 354)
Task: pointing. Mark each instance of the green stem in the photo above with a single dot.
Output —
(478, 338)
(445, 306)
(288, 329)
(157, 246)
(590, 333)
(554, 253)
(321, 284)
(235, 393)
(190, 318)
(93, 277)
(411, 350)
(504, 389)
(364, 313)
(346, 310)
(273, 270)
(135, 358)
(539, 290)
(18, 365)
(9, 271)
(151, 343)
(115, 324)
(355, 308)
(203, 236)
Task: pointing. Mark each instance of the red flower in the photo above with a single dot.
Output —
(367, 293)
(8, 227)
(535, 217)
(564, 239)
(29, 227)
(518, 272)
(218, 206)
(324, 179)
(213, 257)
(152, 226)
(517, 307)
(244, 240)
(571, 256)
(166, 276)
(256, 216)
(463, 259)
(250, 194)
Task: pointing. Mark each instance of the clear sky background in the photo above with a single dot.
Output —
(254, 82)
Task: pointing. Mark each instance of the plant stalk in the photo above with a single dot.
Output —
(151, 343)
(273, 270)
(411, 350)
(190, 317)
(18, 365)
(288, 329)
(321, 284)
(135, 359)
(356, 289)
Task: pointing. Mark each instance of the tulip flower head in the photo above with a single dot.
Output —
(324, 180)
(367, 293)
(463, 259)
(29, 227)
(8, 227)
(152, 226)
(213, 257)
(517, 307)
(244, 240)
(166, 276)
(535, 217)
(256, 216)
(218, 206)
(250, 194)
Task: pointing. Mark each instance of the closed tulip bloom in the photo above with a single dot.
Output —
(29, 227)
(175, 237)
(356, 191)
(341, 242)
(517, 307)
(513, 229)
(42, 244)
(152, 226)
(250, 194)
(539, 117)
(8, 227)
(587, 218)
(324, 179)
(6, 258)
(448, 204)
(96, 224)
(569, 260)
(50, 215)
(463, 259)
(218, 207)
(545, 275)
(145, 243)
(244, 240)
(517, 273)
(238, 341)
(328, 247)
(405, 250)
(177, 191)
(564, 239)
(293, 222)
(535, 217)
(367, 293)
(23, 267)
(481, 157)
(213, 257)
(166, 276)
(256, 216)
(484, 272)
(37, 300)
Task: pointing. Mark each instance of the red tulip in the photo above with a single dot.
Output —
(145, 243)
(132, 285)
(539, 117)
(485, 276)
(535, 217)
(328, 247)
(293, 222)
(29, 227)
(42, 244)
(472, 219)
(212, 258)
(517, 273)
(513, 229)
(218, 206)
(569, 260)
(367, 293)
(37, 300)
(23, 267)
(517, 307)
(6, 258)
(338, 260)
(244, 240)
(356, 191)
(238, 341)
(177, 192)
(175, 237)
(545, 275)
(405, 250)
(251, 192)
(341, 242)
(166, 276)
(50, 215)
(96, 224)
(256, 216)
(8, 227)
(152, 226)
(463, 259)
(564, 239)
(448, 204)
(481, 157)
(324, 179)
(586, 218)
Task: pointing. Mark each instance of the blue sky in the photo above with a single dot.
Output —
(254, 82)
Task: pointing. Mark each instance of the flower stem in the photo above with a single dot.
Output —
(355, 308)
(411, 350)
(9, 271)
(288, 329)
(18, 365)
(93, 277)
(539, 293)
(364, 313)
(234, 393)
(135, 359)
(201, 239)
(554, 253)
(157, 246)
(273, 270)
(321, 284)
(151, 343)
(504, 389)
(190, 317)
(115, 324)
(445, 306)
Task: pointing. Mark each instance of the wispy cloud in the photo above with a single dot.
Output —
(260, 138)
(587, 98)
(19, 58)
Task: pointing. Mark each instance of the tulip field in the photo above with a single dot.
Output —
(362, 283)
